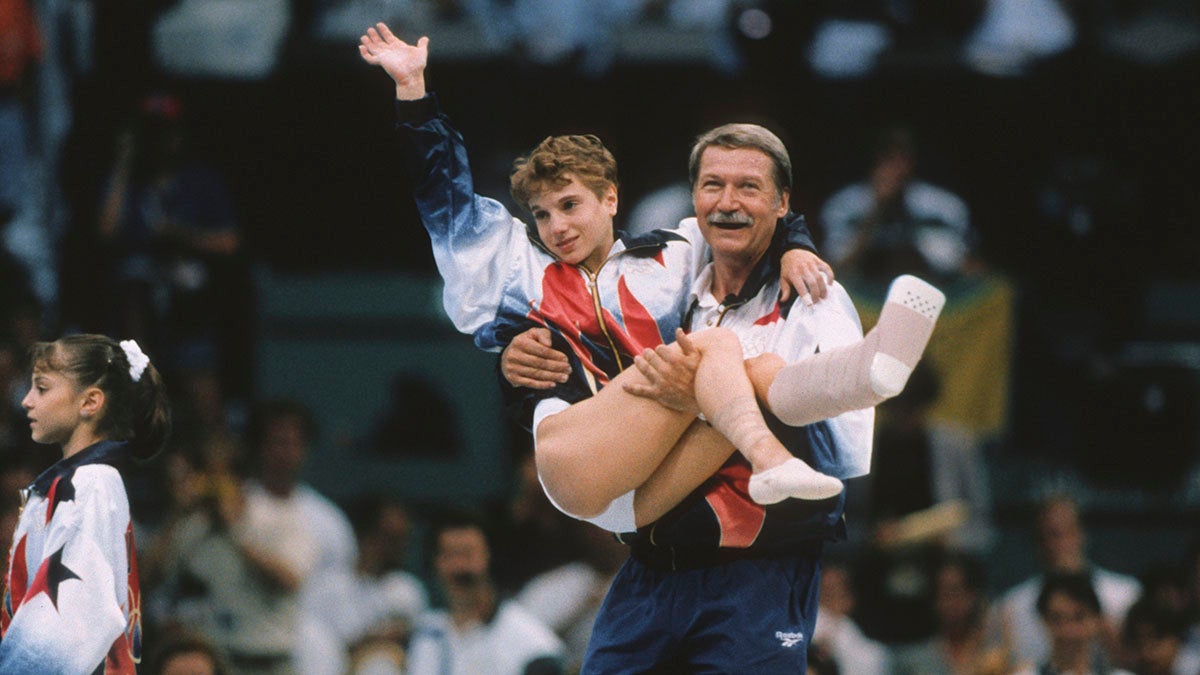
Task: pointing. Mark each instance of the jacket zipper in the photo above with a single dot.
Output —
(599, 309)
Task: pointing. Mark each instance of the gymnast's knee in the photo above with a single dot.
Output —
(717, 339)
(580, 504)
(567, 486)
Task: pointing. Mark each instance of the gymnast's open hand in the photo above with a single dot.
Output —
(805, 273)
(405, 63)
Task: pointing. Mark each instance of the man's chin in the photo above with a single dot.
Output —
(726, 244)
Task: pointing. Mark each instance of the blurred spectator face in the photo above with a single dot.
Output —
(394, 522)
(189, 663)
(203, 391)
(462, 558)
(837, 595)
(1060, 536)
(954, 599)
(737, 201)
(891, 173)
(395, 525)
(385, 547)
(1072, 625)
(284, 446)
(1153, 653)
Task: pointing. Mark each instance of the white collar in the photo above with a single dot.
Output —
(702, 289)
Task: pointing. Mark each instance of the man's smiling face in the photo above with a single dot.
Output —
(736, 200)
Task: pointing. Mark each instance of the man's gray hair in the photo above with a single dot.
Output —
(753, 136)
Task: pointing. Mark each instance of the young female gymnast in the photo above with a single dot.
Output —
(605, 298)
(72, 602)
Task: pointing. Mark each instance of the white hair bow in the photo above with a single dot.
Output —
(137, 359)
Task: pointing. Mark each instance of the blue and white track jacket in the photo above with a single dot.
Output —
(71, 599)
(501, 281)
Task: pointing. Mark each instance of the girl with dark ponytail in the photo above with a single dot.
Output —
(71, 600)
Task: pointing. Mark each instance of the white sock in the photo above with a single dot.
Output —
(793, 479)
(741, 422)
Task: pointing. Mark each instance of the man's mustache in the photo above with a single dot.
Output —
(734, 219)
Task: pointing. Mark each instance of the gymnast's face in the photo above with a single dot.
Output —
(574, 223)
(54, 405)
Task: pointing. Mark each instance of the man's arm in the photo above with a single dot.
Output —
(531, 373)
(530, 361)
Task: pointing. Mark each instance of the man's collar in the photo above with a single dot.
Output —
(112, 453)
(701, 291)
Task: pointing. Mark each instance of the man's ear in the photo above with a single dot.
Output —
(784, 198)
(610, 200)
(93, 402)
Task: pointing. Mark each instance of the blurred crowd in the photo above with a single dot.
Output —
(134, 202)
